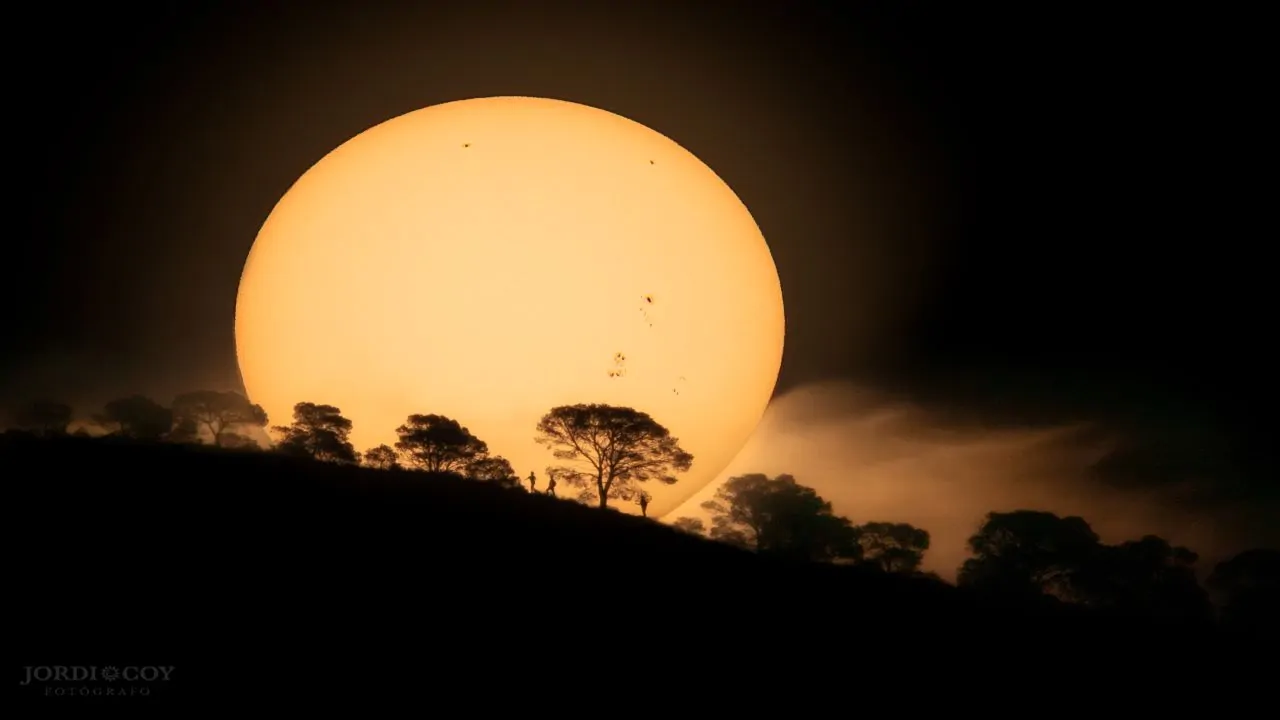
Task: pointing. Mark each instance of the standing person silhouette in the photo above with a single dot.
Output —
(533, 482)
(551, 485)
(643, 499)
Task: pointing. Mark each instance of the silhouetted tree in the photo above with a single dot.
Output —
(779, 516)
(184, 430)
(643, 499)
(382, 457)
(1247, 591)
(691, 525)
(893, 547)
(1148, 576)
(319, 432)
(136, 416)
(738, 511)
(43, 417)
(495, 469)
(614, 448)
(1031, 553)
(219, 412)
(436, 443)
(1028, 552)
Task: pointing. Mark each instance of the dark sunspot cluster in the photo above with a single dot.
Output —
(619, 368)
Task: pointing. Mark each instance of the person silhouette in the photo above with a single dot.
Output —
(551, 485)
(533, 482)
(644, 503)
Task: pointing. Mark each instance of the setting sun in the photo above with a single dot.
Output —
(489, 259)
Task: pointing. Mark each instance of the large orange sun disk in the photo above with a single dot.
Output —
(489, 259)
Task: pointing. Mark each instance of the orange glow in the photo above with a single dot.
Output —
(489, 259)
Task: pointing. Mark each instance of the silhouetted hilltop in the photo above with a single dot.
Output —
(247, 568)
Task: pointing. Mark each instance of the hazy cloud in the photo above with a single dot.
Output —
(879, 459)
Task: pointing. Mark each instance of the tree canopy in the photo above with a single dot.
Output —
(383, 457)
(893, 547)
(1149, 575)
(1028, 552)
(320, 432)
(218, 412)
(610, 450)
(436, 443)
(779, 516)
(137, 417)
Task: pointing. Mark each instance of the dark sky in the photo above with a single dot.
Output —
(1025, 216)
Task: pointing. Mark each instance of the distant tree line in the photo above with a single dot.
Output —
(607, 453)
(1024, 556)
(141, 418)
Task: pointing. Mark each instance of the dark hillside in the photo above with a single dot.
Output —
(261, 575)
